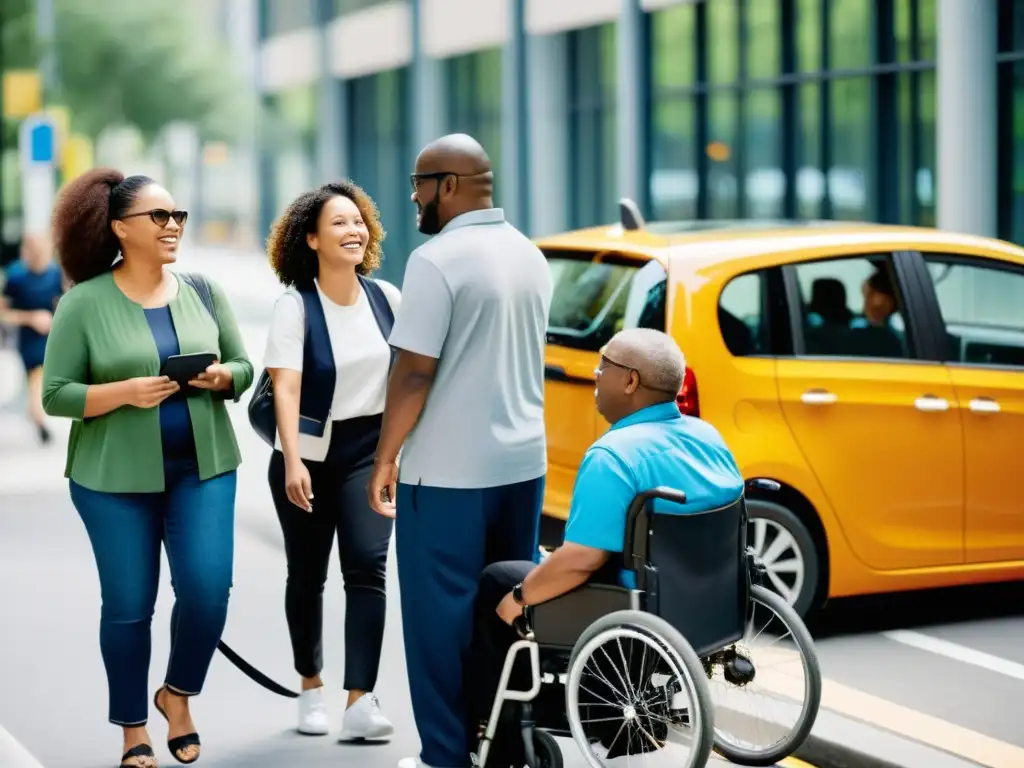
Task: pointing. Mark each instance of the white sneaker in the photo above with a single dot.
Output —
(313, 713)
(364, 720)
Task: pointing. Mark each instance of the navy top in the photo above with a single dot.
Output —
(27, 291)
(175, 421)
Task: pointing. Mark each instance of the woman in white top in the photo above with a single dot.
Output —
(328, 240)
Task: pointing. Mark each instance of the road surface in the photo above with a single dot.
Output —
(945, 669)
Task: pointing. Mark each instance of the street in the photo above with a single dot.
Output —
(940, 669)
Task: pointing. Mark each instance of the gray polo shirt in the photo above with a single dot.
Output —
(477, 297)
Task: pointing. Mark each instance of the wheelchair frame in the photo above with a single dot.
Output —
(529, 643)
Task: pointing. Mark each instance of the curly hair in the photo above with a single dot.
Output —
(291, 258)
(85, 243)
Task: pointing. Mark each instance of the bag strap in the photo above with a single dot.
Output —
(201, 286)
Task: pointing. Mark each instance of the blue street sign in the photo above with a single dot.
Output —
(38, 143)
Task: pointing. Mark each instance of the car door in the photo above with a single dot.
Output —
(877, 424)
(593, 299)
(979, 304)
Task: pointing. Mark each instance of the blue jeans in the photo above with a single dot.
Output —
(196, 521)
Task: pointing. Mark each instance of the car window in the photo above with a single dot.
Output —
(852, 307)
(981, 306)
(594, 300)
(741, 315)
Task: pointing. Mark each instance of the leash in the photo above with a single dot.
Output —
(254, 674)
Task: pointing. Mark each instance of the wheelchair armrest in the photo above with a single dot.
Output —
(558, 623)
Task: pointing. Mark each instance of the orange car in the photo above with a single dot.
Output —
(876, 372)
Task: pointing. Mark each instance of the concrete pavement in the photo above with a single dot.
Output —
(952, 685)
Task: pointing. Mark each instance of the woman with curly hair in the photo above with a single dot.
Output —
(148, 461)
(328, 358)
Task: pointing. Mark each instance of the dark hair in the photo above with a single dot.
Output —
(85, 243)
(291, 258)
(881, 282)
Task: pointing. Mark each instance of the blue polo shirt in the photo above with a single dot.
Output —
(656, 446)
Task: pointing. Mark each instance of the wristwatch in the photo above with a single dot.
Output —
(517, 594)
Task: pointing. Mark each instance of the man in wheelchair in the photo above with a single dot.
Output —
(649, 445)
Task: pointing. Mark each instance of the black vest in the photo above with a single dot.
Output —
(318, 372)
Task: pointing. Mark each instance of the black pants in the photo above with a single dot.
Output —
(485, 660)
(340, 509)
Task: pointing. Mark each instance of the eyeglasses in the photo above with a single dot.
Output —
(605, 360)
(161, 216)
(419, 178)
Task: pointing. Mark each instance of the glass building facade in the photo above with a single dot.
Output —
(748, 109)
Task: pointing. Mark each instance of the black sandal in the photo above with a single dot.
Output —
(139, 750)
(181, 742)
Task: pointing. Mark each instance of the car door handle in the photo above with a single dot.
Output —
(932, 404)
(818, 397)
(984, 405)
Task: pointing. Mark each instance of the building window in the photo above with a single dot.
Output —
(1011, 120)
(793, 109)
(288, 145)
(287, 15)
(474, 102)
(380, 159)
(593, 80)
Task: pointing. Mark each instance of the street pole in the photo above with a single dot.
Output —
(45, 25)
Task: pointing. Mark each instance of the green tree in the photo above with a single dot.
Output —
(142, 63)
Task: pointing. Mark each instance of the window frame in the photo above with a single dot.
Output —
(922, 345)
(931, 310)
(775, 313)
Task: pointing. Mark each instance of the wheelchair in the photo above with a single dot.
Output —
(698, 588)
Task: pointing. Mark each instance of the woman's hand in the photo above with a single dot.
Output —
(148, 391)
(216, 378)
(298, 485)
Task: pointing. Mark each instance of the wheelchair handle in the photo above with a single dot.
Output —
(661, 492)
(763, 483)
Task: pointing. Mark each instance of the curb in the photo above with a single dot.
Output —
(826, 754)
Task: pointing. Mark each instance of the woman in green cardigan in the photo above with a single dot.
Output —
(147, 462)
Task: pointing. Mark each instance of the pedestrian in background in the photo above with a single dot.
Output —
(328, 358)
(466, 398)
(31, 291)
(146, 463)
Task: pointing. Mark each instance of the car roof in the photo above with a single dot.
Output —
(737, 239)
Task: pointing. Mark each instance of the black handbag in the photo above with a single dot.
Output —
(262, 415)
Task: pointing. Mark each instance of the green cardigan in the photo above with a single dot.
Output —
(99, 336)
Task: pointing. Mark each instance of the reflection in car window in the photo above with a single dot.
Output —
(982, 308)
(593, 301)
(851, 307)
(741, 315)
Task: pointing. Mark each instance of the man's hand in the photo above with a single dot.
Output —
(216, 378)
(40, 321)
(383, 488)
(509, 610)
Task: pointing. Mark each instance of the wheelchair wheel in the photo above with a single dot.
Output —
(636, 687)
(546, 750)
(758, 660)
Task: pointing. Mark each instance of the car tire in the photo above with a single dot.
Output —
(792, 562)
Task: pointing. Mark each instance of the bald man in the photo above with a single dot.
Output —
(465, 405)
(650, 444)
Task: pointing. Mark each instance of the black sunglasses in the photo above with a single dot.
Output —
(161, 216)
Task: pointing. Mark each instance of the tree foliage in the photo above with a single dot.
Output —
(141, 63)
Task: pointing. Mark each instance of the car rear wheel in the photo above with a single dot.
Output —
(786, 549)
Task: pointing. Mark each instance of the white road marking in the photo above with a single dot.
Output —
(957, 652)
(13, 755)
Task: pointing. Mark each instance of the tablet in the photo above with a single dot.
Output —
(183, 368)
